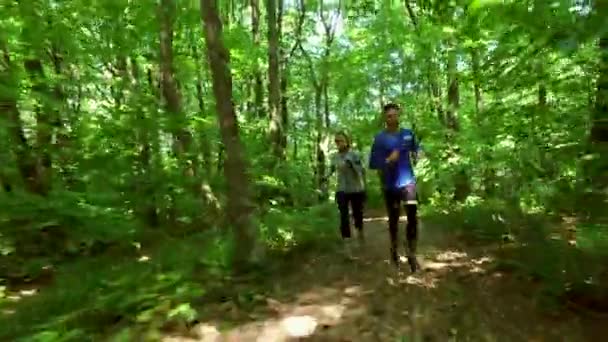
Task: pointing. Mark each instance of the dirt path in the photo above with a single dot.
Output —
(456, 297)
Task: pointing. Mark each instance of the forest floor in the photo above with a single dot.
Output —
(459, 295)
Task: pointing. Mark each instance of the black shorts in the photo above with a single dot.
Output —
(406, 195)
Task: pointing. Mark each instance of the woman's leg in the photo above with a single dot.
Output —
(342, 201)
(357, 201)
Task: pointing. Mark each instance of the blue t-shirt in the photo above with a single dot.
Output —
(400, 173)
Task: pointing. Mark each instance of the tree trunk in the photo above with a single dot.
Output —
(274, 86)
(321, 162)
(205, 145)
(453, 92)
(239, 209)
(44, 125)
(477, 82)
(461, 180)
(258, 84)
(599, 126)
(170, 90)
(65, 117)
(146, 206)
(329, 26)
(597, 171)
(284, 75)
(21, 149)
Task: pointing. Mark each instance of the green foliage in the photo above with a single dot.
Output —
(533, 246)
(99, 169)
(66, 214)
(301, 228)
(155, 287)
(92, 294)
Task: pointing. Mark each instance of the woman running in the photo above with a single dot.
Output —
(350, 188)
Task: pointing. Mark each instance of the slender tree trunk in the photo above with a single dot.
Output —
(284, 76)
(477, 82)
(205, 145)
(258, 84)
(147, 206)
(170, 90)
(274, 85)
(453, 92)
(321, 162)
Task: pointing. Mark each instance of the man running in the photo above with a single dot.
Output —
(391, 155)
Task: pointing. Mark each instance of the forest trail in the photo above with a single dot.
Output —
(457, 296)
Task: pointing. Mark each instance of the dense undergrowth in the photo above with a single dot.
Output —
(96, 273)
(95, 269)
(564, 252)
(77, 268)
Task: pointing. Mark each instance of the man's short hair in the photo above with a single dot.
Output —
(390, 106)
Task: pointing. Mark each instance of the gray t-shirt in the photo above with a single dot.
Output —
(350, 170)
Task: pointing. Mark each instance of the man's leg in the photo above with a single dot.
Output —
(356, 202)
(411, 210)
(393, 209)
